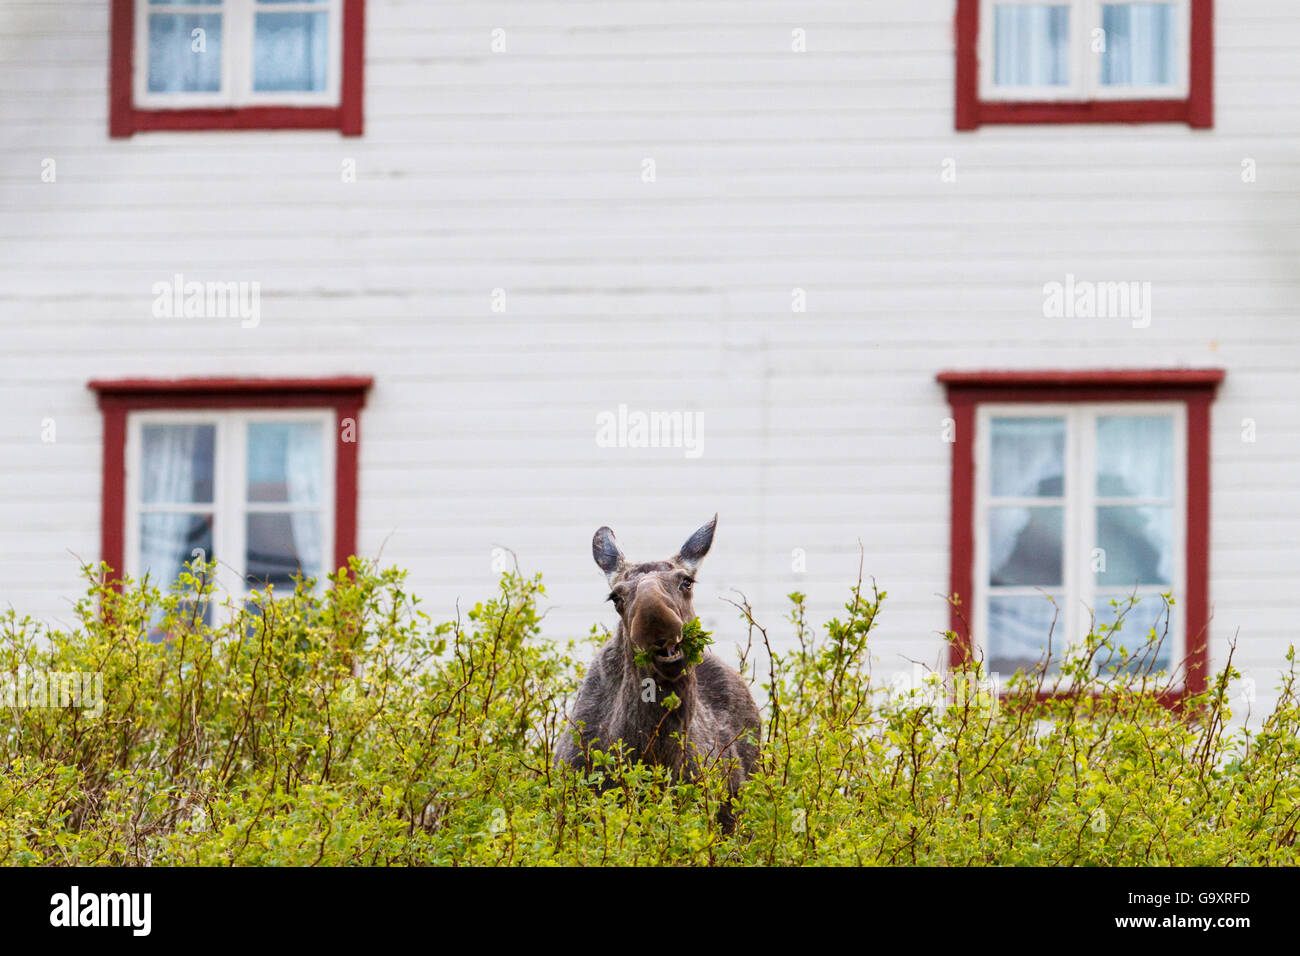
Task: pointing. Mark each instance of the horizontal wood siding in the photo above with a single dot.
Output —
(775, 170)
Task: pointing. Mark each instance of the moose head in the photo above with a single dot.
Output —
(653, 600)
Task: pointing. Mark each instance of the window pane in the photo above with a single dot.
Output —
(1135, 456)
(1031, 45)
(1025, 546)
(1141, 45)
(156, 632)
(1028, 457)
(290, 52)
(1135, 633)
(286, 462)
(1019, 628)
(180, 60)
(168, 542)
(177, 463)
(1137, 546)
(279, 545)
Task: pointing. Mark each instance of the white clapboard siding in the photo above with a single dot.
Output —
(774, 171)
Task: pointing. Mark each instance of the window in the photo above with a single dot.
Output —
(1083, 504)
(259, 476)
(1043, 61)
(214, 64)
(1073, 494)
(247, 490)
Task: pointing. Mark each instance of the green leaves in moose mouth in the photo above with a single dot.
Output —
(694, 640)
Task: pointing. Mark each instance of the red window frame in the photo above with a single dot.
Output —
(1195, 388)
(1197, 110)
(119, 397)
(124, 119)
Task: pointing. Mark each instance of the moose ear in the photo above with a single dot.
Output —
(608, 555)
(697, 546)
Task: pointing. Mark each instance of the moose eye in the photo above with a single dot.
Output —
(686, 583)
(618, 602)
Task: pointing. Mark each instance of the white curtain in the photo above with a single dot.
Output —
(1135, 456)
(1028, 458)
(305, 473)
(168, 477)
(1140, 44)
(1031, 45)
(173, 68)
(290, 51)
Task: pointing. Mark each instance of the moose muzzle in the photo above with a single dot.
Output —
(657, 627)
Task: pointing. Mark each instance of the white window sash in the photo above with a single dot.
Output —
(230, 504)
(1078, 587)
(238, 25)
(1085, 66)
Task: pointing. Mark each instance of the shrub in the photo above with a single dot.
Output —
(343, 727)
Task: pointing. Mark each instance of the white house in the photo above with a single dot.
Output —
(1004, 290)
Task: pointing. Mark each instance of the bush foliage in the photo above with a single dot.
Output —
(342, 726)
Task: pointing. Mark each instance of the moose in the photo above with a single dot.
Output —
(644, 690)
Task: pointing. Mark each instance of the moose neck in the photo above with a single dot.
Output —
(653, 724)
